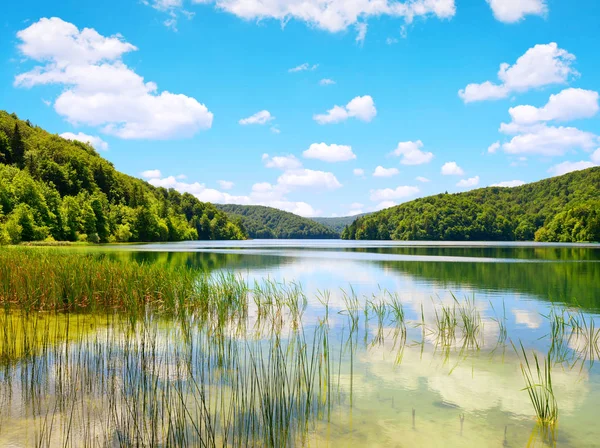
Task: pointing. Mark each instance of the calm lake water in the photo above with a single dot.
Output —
(419, 391)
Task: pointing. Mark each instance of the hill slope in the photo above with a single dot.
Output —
(267, 222)
(561, 209)
(338, 224)
(52, 188)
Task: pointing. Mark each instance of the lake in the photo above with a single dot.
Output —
(390, 381)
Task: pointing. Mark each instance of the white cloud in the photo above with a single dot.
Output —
(326, 82)
(308, 178)
(261, 194)
(509, 184)
(493, 147)
(385, 172)
(510, 11)
(541, 65)
(226, 185)
(384, 204)
(570, 104)
(281, 162)
(275, 130)
(470, 182)
(361, 107)
(568, 167)
(358, 172)
(391, 41)
(361, 32)
(335, 15)
(411, 153)
(303, 67)
(262, 117)
(151, 174)
(356, 208)
(452, 169)
(422, 179)
(596, 156)
(550, 141)
(387, 194)
(329, 153)
(93, 140)
(99, 89)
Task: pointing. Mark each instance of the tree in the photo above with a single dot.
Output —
(5, 151)
(17, 147)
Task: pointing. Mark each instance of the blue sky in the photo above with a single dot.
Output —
(320, 108)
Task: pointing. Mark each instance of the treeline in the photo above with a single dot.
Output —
(269, 223)
(338, 224)
(56, 189)
(559, 209)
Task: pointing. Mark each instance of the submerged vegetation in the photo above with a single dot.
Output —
(106, 351)
(561, 209)
(56, 189)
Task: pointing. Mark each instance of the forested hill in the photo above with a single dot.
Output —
(338, 224)
(267, 222)
(56, 189)
(560, 209)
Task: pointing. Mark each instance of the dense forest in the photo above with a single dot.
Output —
(267, 222)
(56, 189)
(338, 224)
(559, 209)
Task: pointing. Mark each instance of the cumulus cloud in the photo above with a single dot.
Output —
(361, 108)
(411, 154)
(335, 15)
(226, 184)
(509, 183)
(511, 11)
(568, 167)
(384, 204)
(289, 162)
(422, 179)
(493, 147)
(99, 89)
(596, 156)
(541, 65)
(467, 183)
(452, 169)
(262, 117)
(308, 178)
(387, 194)
(550, 141)
(151, 174)
(329, 153)
(385, 172)
(93, 140)
(570, 104)
(358, 172)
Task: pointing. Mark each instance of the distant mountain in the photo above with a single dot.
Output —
(267, 222)
(338, 224)
(57, 189)
(560, 209)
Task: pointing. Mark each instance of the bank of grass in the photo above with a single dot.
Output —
(47, 279)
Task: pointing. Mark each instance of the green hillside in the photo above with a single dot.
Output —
(55, 189)
(338, 224)
(560, 209)
(267, 222)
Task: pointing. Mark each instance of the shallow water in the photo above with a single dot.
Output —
(384, 388)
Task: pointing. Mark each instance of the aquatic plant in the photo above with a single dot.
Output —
(538, 384)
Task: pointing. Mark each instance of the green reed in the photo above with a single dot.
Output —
(538, 384)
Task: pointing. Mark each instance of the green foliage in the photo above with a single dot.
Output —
(270, 223)
(338, 224)
(564, 208)
(52, 188)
